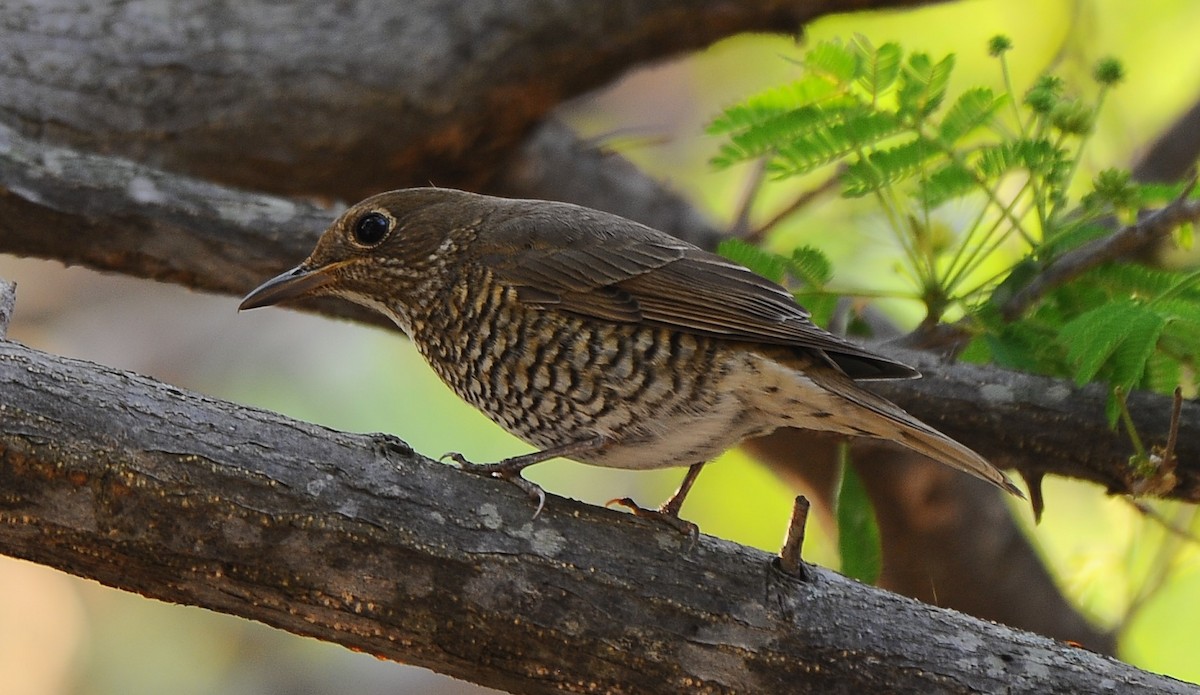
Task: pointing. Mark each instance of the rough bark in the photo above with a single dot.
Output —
(355, 539)
(339, 99)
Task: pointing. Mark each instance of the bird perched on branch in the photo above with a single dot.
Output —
(598, 339)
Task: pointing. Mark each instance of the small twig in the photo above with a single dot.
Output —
(1139, 449)
(790, 561)
(1154, 471)
(1165, 559)
(1173, 432)
(756, 235)
(8, 300)
(1168, 525)
(741, 221)
(1123, 242)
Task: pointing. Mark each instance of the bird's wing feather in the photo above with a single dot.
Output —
(606, 267)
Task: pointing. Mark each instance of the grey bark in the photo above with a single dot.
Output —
(339, 99)
(355, 539)
(8, 299)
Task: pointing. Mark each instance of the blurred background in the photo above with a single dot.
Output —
(63, 635)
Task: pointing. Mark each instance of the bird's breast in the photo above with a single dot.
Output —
(663, 397)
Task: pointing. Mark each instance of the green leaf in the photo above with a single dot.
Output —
(809, 90)
(838, 135)
(1092, 337)
(923, 84)
(1119, 336)
(1128, 363)
(1072, 235)
(879, 67)
(972, 109)
(858, 532)
(769, 265)
(811, 266)
(834, 59)
(772, 133)
(1163, 373)
(819, 304)
(1038, 156)
(1138, 280)
(1181, 336)
(886, 167)
(947, 183)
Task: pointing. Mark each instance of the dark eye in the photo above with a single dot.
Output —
(371, 228)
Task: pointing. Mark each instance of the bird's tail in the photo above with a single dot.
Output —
(840, 405)
(904, 429)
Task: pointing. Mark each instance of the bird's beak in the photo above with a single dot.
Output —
(293, 284)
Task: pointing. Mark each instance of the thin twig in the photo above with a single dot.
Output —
(1173, 433)
(1121, 243)
(1143, 507)
(1166, 557)
(754, 185)
(801, 201)
(790, 560)
(8, 300)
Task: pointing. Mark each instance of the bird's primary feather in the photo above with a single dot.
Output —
(607, 267)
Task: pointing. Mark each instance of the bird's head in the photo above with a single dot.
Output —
(384, 253)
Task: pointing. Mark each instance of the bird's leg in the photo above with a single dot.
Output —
(510, 468)
(668, 512)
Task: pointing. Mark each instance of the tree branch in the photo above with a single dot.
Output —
(354, 539)
(1041, 425)
(1120, 244)
(342, 99)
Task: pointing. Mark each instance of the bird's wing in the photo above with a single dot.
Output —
(606, 267)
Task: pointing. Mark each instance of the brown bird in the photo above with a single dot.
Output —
(598, 339)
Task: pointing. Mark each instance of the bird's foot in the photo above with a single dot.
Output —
(504, 470)
(665, 514)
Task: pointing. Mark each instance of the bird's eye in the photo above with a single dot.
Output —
(371, 228)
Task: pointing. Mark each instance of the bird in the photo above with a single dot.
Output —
(595, 338)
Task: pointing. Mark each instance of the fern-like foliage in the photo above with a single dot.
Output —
(900, 137)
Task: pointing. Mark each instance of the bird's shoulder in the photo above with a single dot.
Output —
(601, 266)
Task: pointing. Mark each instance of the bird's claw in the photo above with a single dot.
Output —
(683, 526)
(533, 490)
(502, 472)
(457, 458)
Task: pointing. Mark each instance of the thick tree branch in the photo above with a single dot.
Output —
(341, 99)
(1042, 425)
(354, 539)
(601, 180)
(137, 220)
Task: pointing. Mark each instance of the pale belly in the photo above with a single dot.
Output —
(682, 438)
